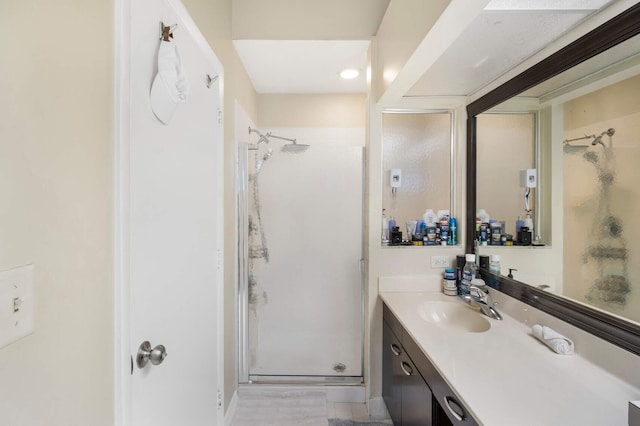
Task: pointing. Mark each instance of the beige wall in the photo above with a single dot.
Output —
(404, 26)
(346, 111)
(56, 183)
(214, 21)
(356, 18)
(56, 163)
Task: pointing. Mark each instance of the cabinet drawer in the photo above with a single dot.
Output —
(392, 321)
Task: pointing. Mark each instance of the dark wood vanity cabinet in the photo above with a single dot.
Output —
(412, 389)
(407, 396)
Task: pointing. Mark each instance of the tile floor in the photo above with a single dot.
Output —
(350, 411)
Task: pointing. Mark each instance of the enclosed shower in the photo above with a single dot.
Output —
(604, 254)
(300, 211)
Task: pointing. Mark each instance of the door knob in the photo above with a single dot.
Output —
(146, 354)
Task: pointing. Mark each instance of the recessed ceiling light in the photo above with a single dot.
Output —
(349, 73)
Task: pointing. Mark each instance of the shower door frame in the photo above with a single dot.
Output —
(244, 377)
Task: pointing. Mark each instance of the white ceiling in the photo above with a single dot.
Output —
(299, 46)
(304, 66)
(495, 42)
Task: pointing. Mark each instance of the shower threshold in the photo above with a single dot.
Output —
(307, 380)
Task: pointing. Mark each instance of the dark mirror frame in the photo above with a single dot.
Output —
(608, 327)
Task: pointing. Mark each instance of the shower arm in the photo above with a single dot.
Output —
(269, 135)
(265, 137)
(598, 139)
(580, 138)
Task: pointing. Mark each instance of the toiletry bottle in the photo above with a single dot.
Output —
(528, 222)
(453, 232)
(469, 272)
(429, 216)
(483, 216)
(392, 223)
(385, 228)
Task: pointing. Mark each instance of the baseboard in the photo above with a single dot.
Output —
(231, 409)
(351, 394)
(377, 408)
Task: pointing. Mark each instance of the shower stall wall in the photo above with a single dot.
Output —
(300, 255)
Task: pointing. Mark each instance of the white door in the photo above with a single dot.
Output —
(171, 192)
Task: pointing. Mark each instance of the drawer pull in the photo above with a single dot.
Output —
(406, 368)
(395, 349)
(448, 402)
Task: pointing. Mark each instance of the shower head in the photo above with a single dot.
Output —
(598, 140)
(567, 148)
(294, 148)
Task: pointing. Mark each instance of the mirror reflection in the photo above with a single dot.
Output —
(601, 197)
(589, 118)
(505, 196)
(417, 179)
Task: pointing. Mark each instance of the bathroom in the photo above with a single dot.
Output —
(61, 169)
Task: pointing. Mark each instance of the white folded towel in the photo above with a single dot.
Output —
(556, 341)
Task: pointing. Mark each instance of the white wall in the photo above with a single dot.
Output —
(56, 183)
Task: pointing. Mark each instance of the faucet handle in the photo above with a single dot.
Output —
(479, 293)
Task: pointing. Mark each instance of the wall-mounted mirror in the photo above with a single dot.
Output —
(506, 184)
(418, 177)
(588, 109)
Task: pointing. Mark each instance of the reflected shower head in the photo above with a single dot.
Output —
(598, 140)
(567, 148)
(294, 148)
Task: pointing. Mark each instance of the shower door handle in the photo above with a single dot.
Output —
(146, 354)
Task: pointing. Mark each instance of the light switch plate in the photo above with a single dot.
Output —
(440, 262)
(17, 307)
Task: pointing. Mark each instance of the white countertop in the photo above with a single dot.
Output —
(505, 376)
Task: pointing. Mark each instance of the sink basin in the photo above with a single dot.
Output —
(453, 317)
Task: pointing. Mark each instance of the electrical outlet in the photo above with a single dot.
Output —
(440, 261)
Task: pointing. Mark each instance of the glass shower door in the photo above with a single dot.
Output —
(304, 252)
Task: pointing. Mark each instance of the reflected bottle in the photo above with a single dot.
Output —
(494, 268)
(453, 232)
(385, 228)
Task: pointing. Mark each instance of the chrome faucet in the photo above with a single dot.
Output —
(480, 298)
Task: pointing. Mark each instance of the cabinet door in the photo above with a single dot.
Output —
(391, 373)
(407, 396)
(417, 404)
